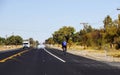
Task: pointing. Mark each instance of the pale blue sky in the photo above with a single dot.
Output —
(40, 18)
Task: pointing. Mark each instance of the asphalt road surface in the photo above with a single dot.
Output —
(53, 62)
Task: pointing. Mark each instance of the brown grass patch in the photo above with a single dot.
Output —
(9, 47)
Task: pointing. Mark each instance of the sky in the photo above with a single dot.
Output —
(39, 19)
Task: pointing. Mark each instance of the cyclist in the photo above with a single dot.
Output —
(64, 46)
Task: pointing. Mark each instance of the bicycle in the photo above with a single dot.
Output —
(64, 50)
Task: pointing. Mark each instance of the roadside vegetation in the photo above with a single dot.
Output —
(107, 37)
(13, 41)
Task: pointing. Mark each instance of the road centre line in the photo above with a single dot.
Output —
(12, 56)
(54, 55)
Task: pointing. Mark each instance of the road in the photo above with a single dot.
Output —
(50, 61)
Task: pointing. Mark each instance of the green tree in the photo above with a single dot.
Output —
(67, 32)
(37, 42)
(18, 40)
(85, 36)
(57, 37)
(117, 38)
(110, 30)
(2, 41)
(14, 40)
(119, 20)
(107, 22)
(76, 37)
(49, 41)
(70, 43)
(64, 33)
(32, 42)
(88, 28)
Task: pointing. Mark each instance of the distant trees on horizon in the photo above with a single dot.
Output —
(16, 40)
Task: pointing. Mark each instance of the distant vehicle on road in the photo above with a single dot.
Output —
(26, 44)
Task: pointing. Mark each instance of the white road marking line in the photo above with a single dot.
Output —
(55, 56)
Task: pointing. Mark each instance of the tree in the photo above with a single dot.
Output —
(37, 42)
(119, 20)
(64, 33)
(85, 36)
(107, 22)
(110, 29)
(117, 38)
(18, 40)
(57, 37)
(70, 43)
(88, 28)
(49, 41)
(14, 40)
(76, 37)
(32, 42)
(2, 41)
(88, 36)
(67, 32)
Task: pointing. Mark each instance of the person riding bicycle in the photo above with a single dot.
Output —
(64, 46)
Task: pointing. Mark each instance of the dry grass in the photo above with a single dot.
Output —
(113, 53)
(9, 47)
